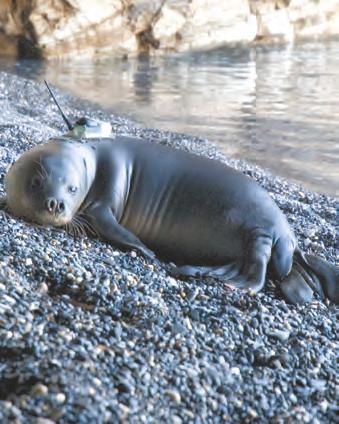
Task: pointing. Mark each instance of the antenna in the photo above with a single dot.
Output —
(69, 125)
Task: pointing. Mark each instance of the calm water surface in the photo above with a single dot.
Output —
(275, 106)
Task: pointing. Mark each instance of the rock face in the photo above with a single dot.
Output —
(48, 28)
(289, 19)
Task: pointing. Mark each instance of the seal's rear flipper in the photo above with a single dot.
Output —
(327, 273)
(309, 275)
(295, 286)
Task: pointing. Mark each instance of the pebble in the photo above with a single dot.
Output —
(310, 233)
(60, 397)
(172, 282)
(280, 335)
(324, 405)
(43, 288)
(39, 390)
(173, 395)
(318, 384)
(7, 300)
(41, 420)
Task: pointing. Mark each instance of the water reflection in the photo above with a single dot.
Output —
(276, 106)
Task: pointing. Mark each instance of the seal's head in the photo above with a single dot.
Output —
(48, 184)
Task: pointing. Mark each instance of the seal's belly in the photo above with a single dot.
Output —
(187, 224)
(184, 244)
(192, 210)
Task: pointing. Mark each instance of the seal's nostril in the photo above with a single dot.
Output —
(51, 204)
(55, 206)
(61, 206)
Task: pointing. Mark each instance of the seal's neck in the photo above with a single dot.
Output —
(90, 165)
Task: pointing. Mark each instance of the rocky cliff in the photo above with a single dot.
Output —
(49, 28)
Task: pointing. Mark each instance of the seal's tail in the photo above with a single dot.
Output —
(310, 274)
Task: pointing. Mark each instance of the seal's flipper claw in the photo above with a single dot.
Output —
(64, 117)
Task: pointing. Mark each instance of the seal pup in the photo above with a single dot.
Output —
(207, 218)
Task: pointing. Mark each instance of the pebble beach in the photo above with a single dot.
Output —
(91, 334)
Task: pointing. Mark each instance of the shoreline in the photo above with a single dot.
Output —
(92, 334)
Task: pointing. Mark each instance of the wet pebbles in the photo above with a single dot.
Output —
(89, 334)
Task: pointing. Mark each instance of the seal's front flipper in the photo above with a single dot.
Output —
(106, 226)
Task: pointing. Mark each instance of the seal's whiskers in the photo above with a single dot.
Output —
(86, 224)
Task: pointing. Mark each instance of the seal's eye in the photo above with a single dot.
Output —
(36, 182)
(72, 189)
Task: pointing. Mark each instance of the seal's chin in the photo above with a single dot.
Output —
(52, 220)
(47, 219)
